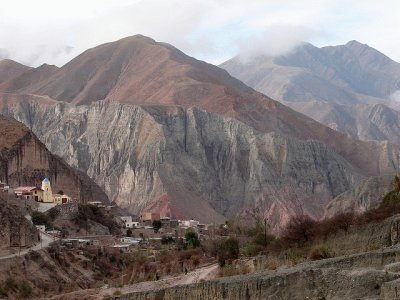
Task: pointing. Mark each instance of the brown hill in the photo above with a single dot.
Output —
(28, 78)
(24, 160)
(10, 69)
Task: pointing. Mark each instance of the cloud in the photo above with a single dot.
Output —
(212, 30)
(277, 40)
(395, 97)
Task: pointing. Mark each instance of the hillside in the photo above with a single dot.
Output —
(24, 160)
(10, 69)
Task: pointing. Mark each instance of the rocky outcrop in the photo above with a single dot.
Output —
(365, 195)
(363, 121)
(15, 230)
(24, 160)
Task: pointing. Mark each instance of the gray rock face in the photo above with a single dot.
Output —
(365, 195)
(210, 167)
(377, 122)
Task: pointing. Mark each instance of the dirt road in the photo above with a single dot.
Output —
(45, 241)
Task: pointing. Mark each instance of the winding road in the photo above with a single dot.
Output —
(45, 241)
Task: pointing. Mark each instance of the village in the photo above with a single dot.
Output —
(148, 231)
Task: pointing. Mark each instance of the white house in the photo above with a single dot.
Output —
(132, 224)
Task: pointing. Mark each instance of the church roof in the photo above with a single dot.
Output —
(46, 180)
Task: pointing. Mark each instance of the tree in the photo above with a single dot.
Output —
(39, 218)
(396, 185)
(192, 239)
(157, 225)
(300, 230)
(60, 192)
(129, 232)
(229, 250)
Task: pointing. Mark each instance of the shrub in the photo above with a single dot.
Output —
(292, 255)
(167, 240)
(157, 225)
(252, 249)
(53, 213)
(10, 284)
(3, 292)
(39, 218)
(192, 239)
(320, 252)
(33, 255)
(88, 212)
(300, 230)
(229, 250)
(129, 232)
(25, 290)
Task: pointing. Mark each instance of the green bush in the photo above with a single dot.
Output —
(3, 292)
(320, 252)
(10, 284)
(53, 213)
(88, 212)
(192, 239)
(229, 250)
(34, 255)
(39, 218)
(25, 290)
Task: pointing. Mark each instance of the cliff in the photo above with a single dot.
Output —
(208, 166)
(24, 160)
(15, 230)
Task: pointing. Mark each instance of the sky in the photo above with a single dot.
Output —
(53, 32)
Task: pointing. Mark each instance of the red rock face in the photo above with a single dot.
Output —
(24, 160)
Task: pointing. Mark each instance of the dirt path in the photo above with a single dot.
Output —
(45, 241)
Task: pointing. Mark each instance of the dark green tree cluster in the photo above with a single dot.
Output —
(228, 251)
(192, 239)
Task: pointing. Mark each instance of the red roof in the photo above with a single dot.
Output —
(26, 189)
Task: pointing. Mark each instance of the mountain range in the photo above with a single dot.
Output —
(151, 125)
(349, 88)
